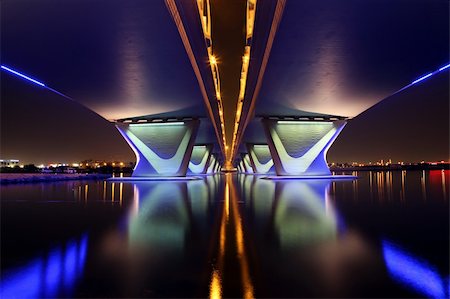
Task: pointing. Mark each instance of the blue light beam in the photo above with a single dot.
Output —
(3, 67)
(22, 76)
(422, 78)
(444, 67)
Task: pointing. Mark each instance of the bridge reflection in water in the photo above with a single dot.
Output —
(236, 236)
(167, 217)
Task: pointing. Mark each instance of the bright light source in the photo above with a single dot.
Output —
(294, 122)
(422, 78)
(212, 59)
(444, 67)
(22, 75)
(157, 124)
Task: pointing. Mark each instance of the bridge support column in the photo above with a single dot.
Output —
(300, 147)
(162, 149)
(247, 164)
(201, 155)
(212, 164)
(260, 157)
(239, 167)
(218, 167)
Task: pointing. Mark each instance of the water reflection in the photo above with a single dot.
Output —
(413, 272)
(231, 243)
(300, 211)
(303, 213)
(229, 236)
(386, 186)
(152, 226)
(296, 222)
(51, 275)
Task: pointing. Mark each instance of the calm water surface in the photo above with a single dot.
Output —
(383, 235)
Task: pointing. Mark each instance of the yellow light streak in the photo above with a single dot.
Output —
(206, 27)
(250, 23)
(86, 188)
(273, 29)
(112, 191)
(247, 284)
(231, 206)
(215, 288)
(204, 10)
(120, 193)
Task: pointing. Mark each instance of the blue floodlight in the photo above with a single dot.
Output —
(22, 75)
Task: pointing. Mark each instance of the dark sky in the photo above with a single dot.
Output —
(412, 125)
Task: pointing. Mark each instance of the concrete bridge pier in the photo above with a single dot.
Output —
(260, 158)
(298, 147)
(161, 148)
(200, 159)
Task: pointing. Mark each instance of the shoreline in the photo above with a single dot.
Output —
(17, 178)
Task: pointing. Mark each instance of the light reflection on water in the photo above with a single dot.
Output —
(412, 272)
(54, 273)
(229, 236)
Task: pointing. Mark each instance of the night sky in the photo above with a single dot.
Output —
(38, 126)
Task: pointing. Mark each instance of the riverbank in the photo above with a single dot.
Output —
(14, 178)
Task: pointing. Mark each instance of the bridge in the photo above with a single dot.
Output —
(196, 86)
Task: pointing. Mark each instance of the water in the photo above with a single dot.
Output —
(383, 235)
